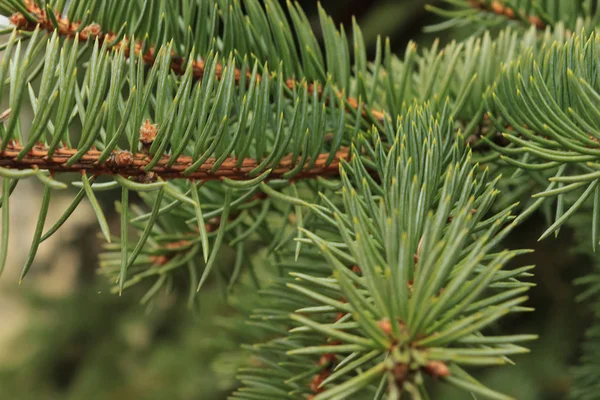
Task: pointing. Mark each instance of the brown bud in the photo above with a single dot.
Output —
(148, 132)
(159, 260)
(437, 369)
(123, 159)
(292, 218)
(509, 12)
(90, 31)
(498, 7)
(19, 20)
(385, 325)
(535, 20)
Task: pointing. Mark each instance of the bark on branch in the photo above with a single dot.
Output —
(127, 164)
(94, 31)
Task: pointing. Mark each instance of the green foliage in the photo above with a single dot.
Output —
(429, 280)
(585, 376)
(375, 195)
(551, 94)
(492, 13)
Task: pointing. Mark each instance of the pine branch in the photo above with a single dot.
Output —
(396, 268)
(126, 164)
(573, 15)
(501, 9)
(380, 298)
(557, 134)
(220, 125)
(178, 64)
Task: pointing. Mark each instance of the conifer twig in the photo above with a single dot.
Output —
(125, 163)
(94, 31)
(499, 8)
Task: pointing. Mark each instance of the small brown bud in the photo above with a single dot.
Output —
(509, 12)
(123, 159)
(159, 260)
(498, 7)
(385, 325)
(437, 369)
(90, 31)
(19, 20)
(535, 20)
(148, 132)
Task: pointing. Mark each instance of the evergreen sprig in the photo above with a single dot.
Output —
(547, 100)
(380, 192)
(541, 14)
(131, 118)
(408, 289)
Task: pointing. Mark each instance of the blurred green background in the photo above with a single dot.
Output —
(63, 335)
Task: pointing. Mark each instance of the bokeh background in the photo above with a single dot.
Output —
(63, 335)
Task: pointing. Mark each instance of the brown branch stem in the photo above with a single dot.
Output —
(499, 8)
(178, 64)
(134, 165)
